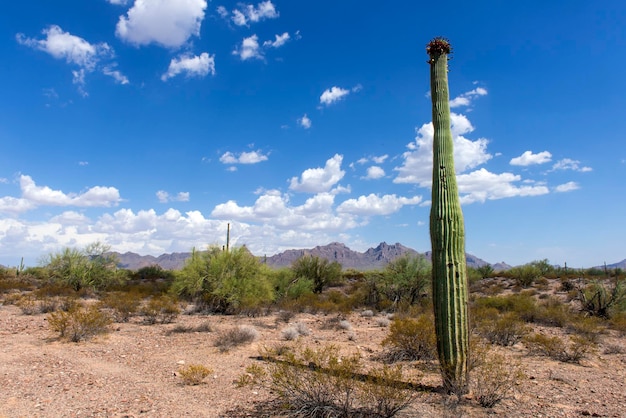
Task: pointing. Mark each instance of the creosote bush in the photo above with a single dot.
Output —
(410, 339)
(494, 378)
(79, 323)
(160, 309)
(194, 374)
(123, 305)
(321, 383)
(236, 336)
(558, 349)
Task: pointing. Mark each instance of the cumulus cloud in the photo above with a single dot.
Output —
(252, 157)
(333, 94)
(482, 185)
(569, 164)
(248, 13)
(528, 158)
(374, 172)
(163, 22)
(118, 2)
(165, 197)
(249, 49)
(417, 161)
(567, 187)
(192, 66)
(376, 205)
(33, 196)
(76, 51)
(466, 98)
(278, 42)
(63, 45)
(317, 180)
(305, 122)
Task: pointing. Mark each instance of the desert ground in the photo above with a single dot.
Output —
(133, 370)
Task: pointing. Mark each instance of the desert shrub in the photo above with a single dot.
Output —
(193, 374)
(614, 349)
(153, 273)
(160, 309)
(525, 275)
(558, 349)
(410, 339)
(28, 304)
(226, 281)
(9, 284)
(382, 322)
(92, 267)
(598, 299)
(485, 271)
(80, 323)
(51, 289)
(284, 316)
(368, 313)
(182, 329)
(345, 325)
(321, 383)
(320, 271)
(290, 333)
(506, 329)
(123, 305)
(234, 337)
(588, 327)
(552, 312)
(254, 375)
(523, 304)
(406, 279)
(494, 378)
(289, 287)
(618, 323)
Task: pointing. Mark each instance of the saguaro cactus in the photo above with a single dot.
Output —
(447, 234)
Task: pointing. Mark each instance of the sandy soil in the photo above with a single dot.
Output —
(132, 372)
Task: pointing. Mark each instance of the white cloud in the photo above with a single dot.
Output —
(567, 187)
(249, 49)
(63, 45)
(252, 157)
(380, 159)
(118, 2)
(374, 172)
(222, 11)
(279, 41)
(417, 164)
(305, 122)
(528, 158)
(376, 205)
(116, 74)
(466, 98)
(569, 164)
(316, 180)
(249, 13)
(163, 22)
(330, 96)
(482, 185)
(33, 196)
(193, 66)
(76, 51)
(165, 197)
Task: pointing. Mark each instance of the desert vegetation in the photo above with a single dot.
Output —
(570, 317)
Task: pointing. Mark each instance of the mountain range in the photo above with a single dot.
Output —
(371, 259)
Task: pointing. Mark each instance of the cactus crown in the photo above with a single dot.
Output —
(438, 46)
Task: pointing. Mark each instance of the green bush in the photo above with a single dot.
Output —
(506, 329)
(602, 300)
(525, 275)
(79, 323)
(93, 267)
(226, 281)
(406, 279)
(321, 272)
(194, 374)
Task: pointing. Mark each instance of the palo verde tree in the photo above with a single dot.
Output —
(447, 234)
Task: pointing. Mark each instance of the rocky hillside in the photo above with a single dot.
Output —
(373, 258)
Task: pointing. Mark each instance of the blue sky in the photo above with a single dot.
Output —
(149, 125)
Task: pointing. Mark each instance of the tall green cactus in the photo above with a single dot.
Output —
(447, 234)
